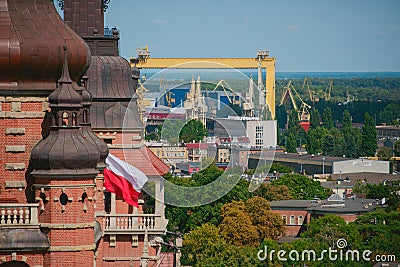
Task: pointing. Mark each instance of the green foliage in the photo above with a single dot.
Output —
(301, 187)
(390, 114)
(193, 130)
(380, 231)
(236, 225)
(351, 145)
(188, 218)
(273, 192)
(384, 153)
(314, 119)
(268, 224)
(201, 244)
(169, 131)
(152, 136)
(368, 143)
(291, 143)
(327, 120)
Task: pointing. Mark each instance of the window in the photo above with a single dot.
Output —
(292, 220)
(74, 119)
(284, 219)
(85, 116)
(65, 119)
(300, 220)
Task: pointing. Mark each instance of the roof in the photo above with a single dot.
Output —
(346, 206)
(143, 159)
(110, 78)
(32, 36)
(368, 177)
(303, 204)
(198, 145)
(309, 157)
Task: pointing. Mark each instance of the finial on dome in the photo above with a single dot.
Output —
(65, 77)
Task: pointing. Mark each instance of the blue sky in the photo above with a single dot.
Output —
(303, 35)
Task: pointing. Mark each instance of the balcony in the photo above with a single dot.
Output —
(18, 215)
(134, 224)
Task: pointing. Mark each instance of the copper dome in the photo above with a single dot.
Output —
(65, 152)
(32, 35)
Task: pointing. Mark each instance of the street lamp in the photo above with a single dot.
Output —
(323, 165)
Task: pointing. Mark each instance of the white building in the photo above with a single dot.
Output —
(360, 165)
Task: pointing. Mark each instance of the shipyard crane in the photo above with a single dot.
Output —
(168, 94)
(225, 85)
(328, 93)
(312, 94)
(142, 103)
(248, 105)
(302, 112)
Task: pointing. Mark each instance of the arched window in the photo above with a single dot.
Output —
(65, 119)
(84, 116)
(284, 219)
(74, 119)
(292, 220)
(300, 220)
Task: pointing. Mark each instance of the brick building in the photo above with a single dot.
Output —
(297, 213)
(55, 87)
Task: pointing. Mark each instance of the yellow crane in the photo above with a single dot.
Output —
(303, 111)
(142, 103)
(168, 94)
(314, 97)
(225, 86)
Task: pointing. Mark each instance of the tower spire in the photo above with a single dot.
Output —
(65, 77)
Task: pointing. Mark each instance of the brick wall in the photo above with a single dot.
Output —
(21, 120)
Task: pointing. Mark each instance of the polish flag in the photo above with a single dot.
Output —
(123, 179)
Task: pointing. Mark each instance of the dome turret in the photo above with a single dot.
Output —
(65, 152)
(32, 37)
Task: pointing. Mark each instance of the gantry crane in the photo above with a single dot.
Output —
(225, 86)
(302, 112)
(168, 94)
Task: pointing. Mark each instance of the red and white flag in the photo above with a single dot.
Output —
(123, 179)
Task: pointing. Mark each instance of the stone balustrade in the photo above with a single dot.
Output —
(138, 223)
(17, 215)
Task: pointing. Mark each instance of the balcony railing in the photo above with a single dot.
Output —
(18, 215)
(134, 223)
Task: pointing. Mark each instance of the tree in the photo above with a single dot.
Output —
(236, 225)
(385, 153)
(351, 137)
(302, 187)
(293, 123)
(397, 148)
(327, 120)
(314, 119)
(369, 142)
(390, 114)
(193, 130)
(328, 145)
(202, 243)
(291, 143)
(273, 192)
(169, 131)
(380, 231)
(268, 224)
